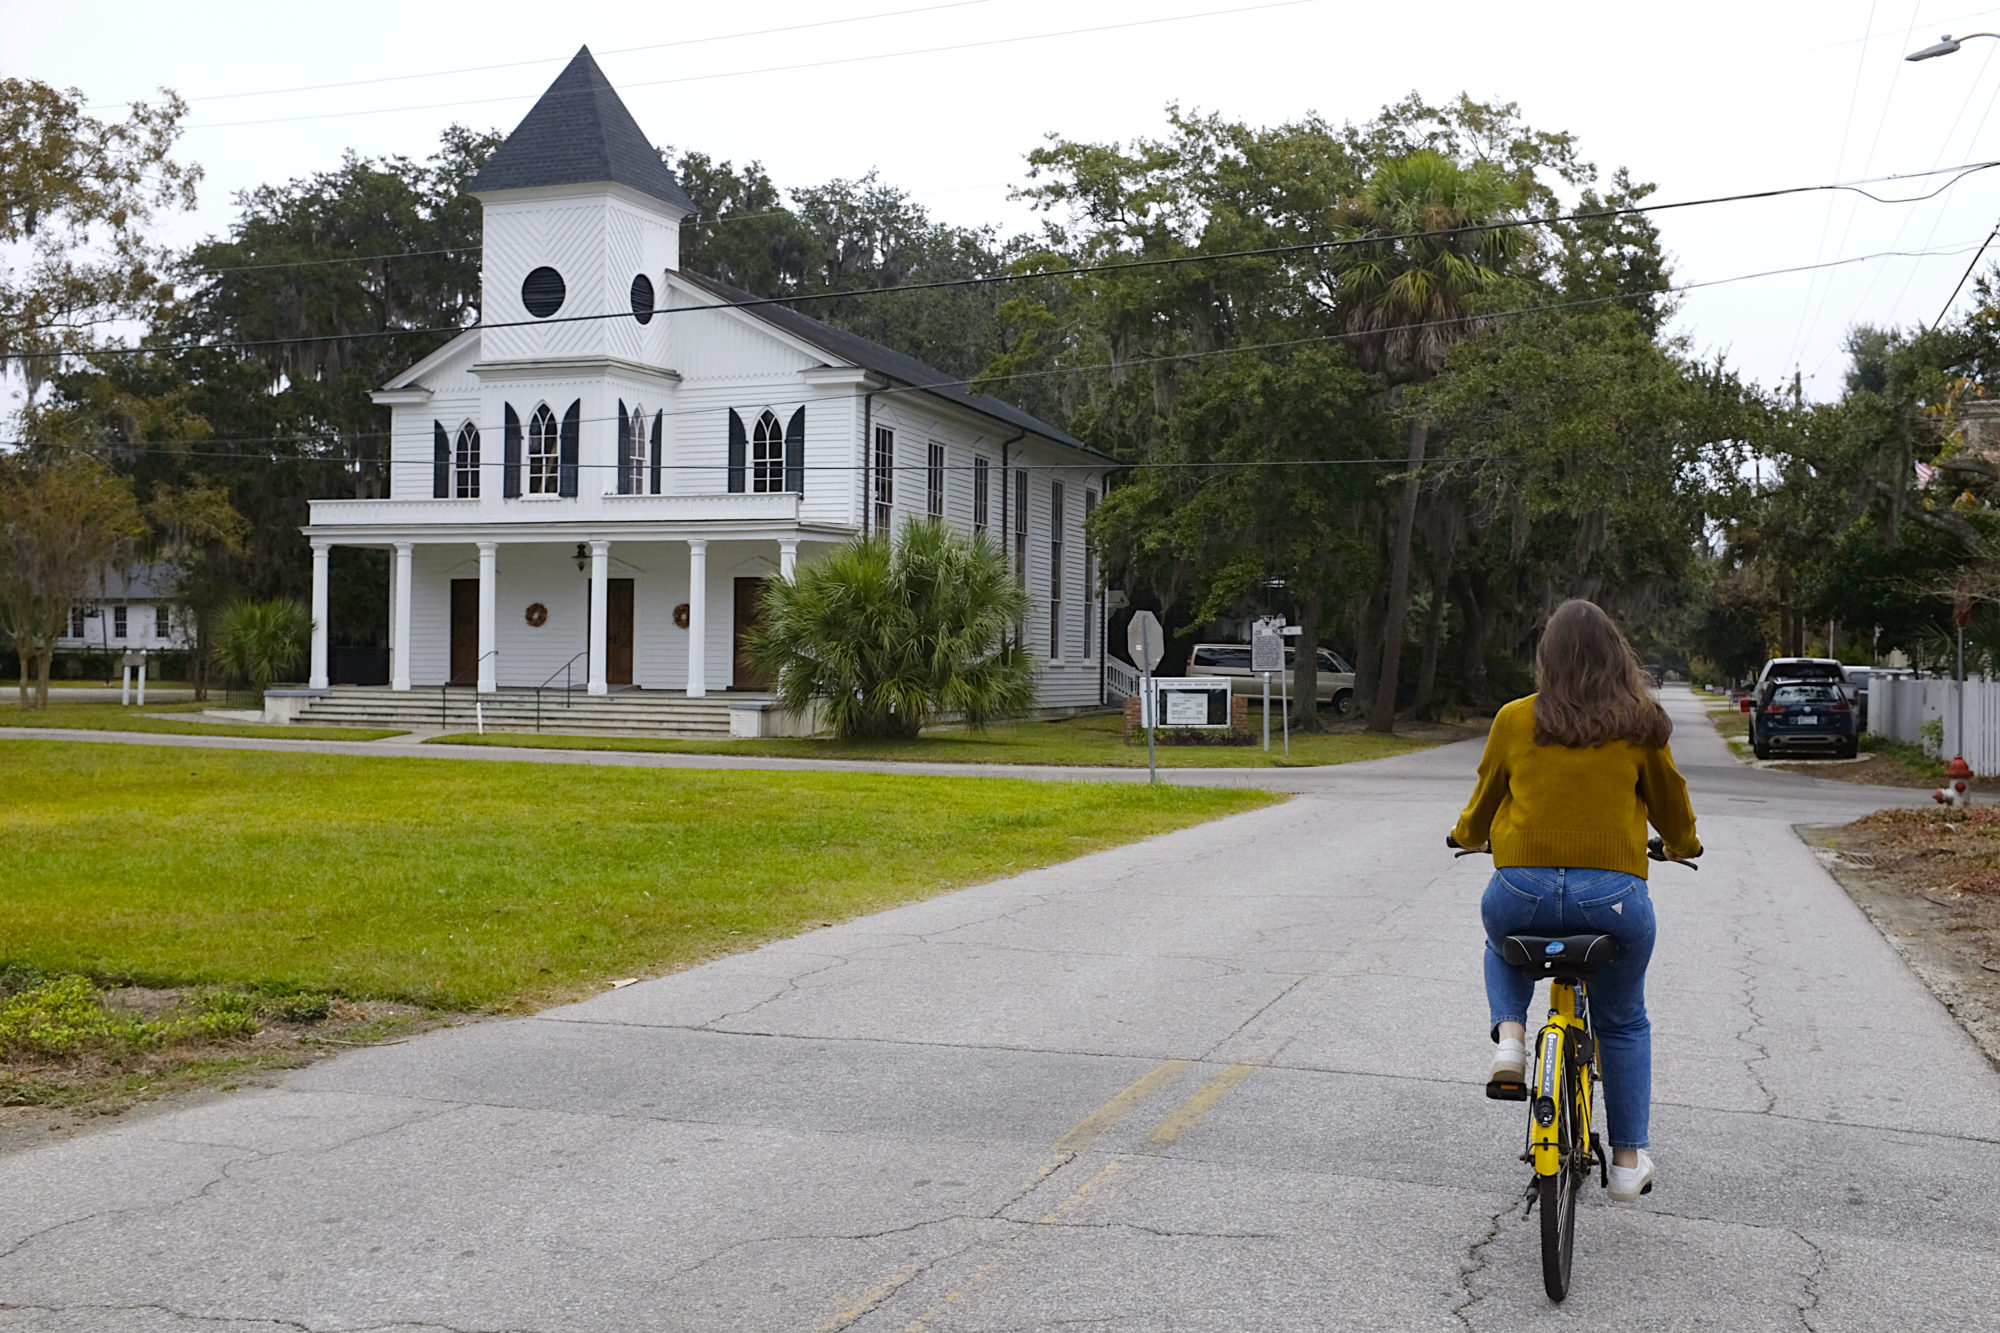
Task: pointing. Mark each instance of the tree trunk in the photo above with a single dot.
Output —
(1305, 671)
(1473, 605)
(1427, 666)
(23, 656)
(1383, 717)
(43, 660)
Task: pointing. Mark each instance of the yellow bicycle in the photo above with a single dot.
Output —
(1562, 1093)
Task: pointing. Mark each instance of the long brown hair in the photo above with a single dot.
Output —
(1592, 688)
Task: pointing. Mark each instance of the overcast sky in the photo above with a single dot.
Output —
(945, 99)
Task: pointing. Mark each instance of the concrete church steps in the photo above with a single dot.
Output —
(627, 712)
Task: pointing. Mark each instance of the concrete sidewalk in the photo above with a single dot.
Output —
(1225, 1079)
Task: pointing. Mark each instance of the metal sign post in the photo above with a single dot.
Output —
(1267, 654)
(1285, 709)
(1147, 643)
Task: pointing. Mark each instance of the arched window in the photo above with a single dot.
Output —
(544, 452)
(767, 454)
(465, 463)
(634, 461)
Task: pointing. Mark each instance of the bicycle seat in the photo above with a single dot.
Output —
(1579, 956)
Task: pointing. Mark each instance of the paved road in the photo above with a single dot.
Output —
(1226, 1079)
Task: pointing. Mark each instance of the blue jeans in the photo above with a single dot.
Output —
(1544, 900)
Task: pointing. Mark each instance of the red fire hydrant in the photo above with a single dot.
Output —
(1957, 789)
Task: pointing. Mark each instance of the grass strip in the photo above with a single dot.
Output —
(492, 886)
(167, 719)
(1095, 741)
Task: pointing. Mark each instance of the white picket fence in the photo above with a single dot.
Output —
(1898, 707)
(1121, 681)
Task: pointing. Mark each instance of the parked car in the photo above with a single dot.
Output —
(1781, 669)
(1336, 677)
(1810, 716)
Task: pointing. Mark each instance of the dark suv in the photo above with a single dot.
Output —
(1804, 715)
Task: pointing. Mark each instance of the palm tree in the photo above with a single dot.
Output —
(1411, 294)
(887, 636)
(260, 641)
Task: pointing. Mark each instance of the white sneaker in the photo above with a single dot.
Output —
(1627, 1183)
(1510, 1062)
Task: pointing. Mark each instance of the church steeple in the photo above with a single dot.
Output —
(580, 133)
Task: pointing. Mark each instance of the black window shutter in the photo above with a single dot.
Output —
(510, 461)
(738, 448)
(440, 462)
(659, 418)
(624, 450)
(795, 453)
(572, 425)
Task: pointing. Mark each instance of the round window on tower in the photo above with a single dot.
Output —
(642, 299)
(542, 292)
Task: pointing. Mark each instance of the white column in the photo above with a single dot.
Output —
(399, 620)
(142, 682)
(489, 625)
(600, 616)
(697, 684)
(317, 680)
(788, 558)
(125, 686)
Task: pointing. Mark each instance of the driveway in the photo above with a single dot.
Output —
(1226, 1079)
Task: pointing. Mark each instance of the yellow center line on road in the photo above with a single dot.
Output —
(1074, 1140)
(1171, 1127)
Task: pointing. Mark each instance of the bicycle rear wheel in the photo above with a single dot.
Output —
(1558, 1208)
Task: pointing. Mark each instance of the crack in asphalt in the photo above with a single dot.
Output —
(1809, 1296)
(1475, 1263)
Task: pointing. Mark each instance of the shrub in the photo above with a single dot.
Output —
(303, 1007)
(886, 636)
(216, 1015)
(61, 1017)
(261, 641)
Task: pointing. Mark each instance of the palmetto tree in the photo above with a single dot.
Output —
(1411, 294)
(260, 641)
(886, 636)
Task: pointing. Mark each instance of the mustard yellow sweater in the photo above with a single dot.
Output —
(1554, 805)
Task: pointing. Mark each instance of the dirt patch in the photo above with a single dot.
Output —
(1930, 881)
(1878, 770)
(45, 1095)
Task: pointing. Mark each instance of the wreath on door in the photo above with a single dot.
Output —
(681, 616)
(538, 614)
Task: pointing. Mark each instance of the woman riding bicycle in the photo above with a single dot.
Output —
(1570, 778)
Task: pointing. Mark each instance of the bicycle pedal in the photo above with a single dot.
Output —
(1507, 1092)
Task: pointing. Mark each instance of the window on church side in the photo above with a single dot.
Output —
(465, 463)
(544, 452)
(635, 454)
(767, 455)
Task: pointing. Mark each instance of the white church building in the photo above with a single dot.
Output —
(594, 483)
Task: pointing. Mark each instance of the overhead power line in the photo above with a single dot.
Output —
(1242, 349)
(557, 60)
(1080, 270)
(794, 67)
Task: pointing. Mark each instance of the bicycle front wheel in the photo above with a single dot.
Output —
(1558, 1206)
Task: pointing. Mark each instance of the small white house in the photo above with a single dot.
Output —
(130, 610)
(599, 477)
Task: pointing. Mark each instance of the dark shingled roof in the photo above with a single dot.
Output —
(887, 361)
(578, 134)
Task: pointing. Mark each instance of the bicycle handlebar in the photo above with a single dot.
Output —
(1656, 850)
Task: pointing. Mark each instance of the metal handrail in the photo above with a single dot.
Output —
(445, 689)
(568, 685)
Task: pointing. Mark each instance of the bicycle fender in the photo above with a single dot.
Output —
(1546, 1104)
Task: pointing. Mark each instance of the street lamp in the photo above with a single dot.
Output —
(1946, 45)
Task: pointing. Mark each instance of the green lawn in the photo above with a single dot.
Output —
(470, 886)
(162, 718)
(1082, 741)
